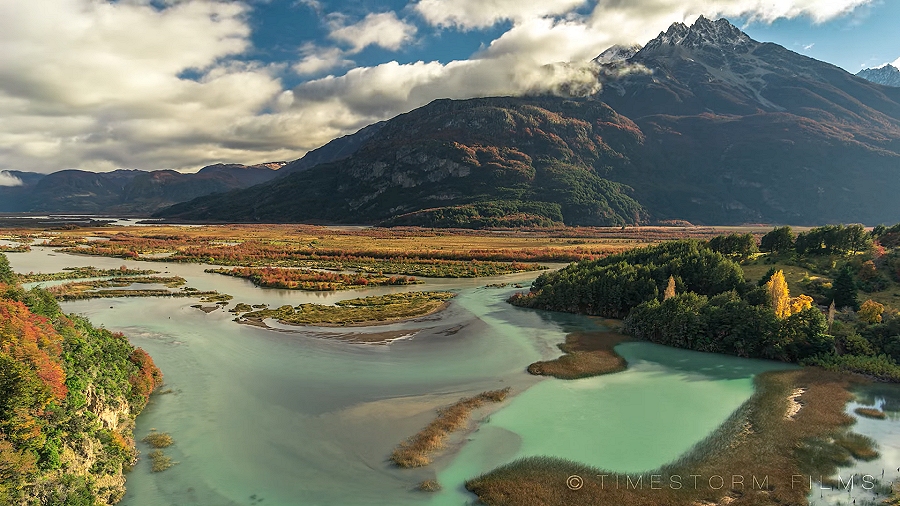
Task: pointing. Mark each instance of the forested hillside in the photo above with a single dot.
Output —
(69, 394)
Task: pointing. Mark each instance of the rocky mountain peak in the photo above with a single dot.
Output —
(703, 33)
(887, 75)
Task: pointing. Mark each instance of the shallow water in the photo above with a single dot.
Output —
(266, 417)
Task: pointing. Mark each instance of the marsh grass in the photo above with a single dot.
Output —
(876, 414)
(159, 439)
(380, 308)
(429, 486)
(755, 442)
(159, 461)
(586, 354)
(418, 450)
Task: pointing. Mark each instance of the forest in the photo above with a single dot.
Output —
(57, 373)
(693, 294)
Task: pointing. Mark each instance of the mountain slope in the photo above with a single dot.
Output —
(535, 159)
(702, 123)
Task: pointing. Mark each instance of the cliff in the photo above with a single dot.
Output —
(69, 394)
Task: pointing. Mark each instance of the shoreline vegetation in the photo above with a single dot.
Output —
(362, 311)
(419, 450)
(311, 280)
(585, 354)
(100, 289)
(83, 273)
(69, 396)
(750, 444)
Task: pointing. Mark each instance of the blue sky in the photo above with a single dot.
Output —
(154, 84)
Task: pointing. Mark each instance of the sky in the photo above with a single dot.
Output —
(179, 84)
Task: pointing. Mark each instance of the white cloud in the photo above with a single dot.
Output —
(320, 59)
(7, 179)
(896, 63)
(383, 29)
(100, 85)
(469, 14)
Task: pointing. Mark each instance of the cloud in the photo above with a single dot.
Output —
(383, 29)
(320, 59)
(126, 84)
(896, 63)
(7, 179)
(468, 14)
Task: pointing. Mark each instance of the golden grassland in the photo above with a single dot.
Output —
(758, 442)
(373, 310)
(419, 450)
(586, 354)
(564, 243)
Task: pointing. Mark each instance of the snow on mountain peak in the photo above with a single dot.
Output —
(617, 53)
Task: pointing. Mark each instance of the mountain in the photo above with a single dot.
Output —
(887, 75)
(494, 161)
(702, 123)
(125, 191)
(337, 149)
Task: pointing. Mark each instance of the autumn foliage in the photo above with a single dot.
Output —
(780, 297)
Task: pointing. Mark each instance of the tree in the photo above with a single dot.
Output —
(670, 289)
(779, 240)
(844, 291)
(831, 312)
(767, 276)
(870, 312)
(7, 275)
(734, 245)
(779, 296)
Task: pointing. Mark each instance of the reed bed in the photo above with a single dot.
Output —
(586, 354)
(419, 450)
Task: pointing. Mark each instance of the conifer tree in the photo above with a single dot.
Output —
(844, 290)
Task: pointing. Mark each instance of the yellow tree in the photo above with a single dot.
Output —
(779, 296)
(670, 289)
(800, 302)
(870, 311)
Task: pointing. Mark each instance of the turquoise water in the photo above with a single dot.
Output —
(296, 418)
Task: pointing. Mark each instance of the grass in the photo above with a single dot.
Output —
(159, 461)
(82, 273)
(586, 354)
(359, 311)
(429, 486)
(419, 450)
(756, 442)
(876, 414)
(311, 280)
(159, 439)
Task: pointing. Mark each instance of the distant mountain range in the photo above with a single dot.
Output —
(887, 75)
(702, 124)
(122, 191)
